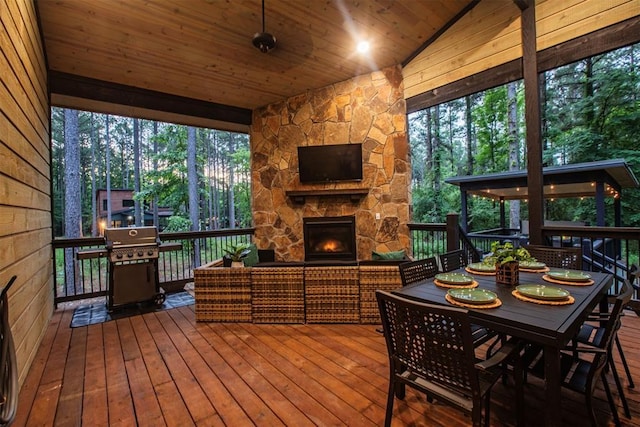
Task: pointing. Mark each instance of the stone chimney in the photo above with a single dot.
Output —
(369, 109)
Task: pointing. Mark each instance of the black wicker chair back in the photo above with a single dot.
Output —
(570, 258)
(452, 260)
(417, 271)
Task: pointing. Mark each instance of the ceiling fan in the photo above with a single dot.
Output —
(264, 41)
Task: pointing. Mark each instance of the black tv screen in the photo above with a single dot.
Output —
(323, 163)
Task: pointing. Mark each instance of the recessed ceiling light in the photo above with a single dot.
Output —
(363, 46)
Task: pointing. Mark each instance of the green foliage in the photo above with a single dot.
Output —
(490, 120)
(177, 223)
(237, 252)
(502, 253)
(242, 188)
(484, 214)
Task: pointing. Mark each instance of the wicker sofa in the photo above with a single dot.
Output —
(293, 292)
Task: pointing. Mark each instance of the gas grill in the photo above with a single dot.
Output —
(133, 266)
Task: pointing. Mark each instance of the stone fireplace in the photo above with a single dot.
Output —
(370, 110)
(330, 239)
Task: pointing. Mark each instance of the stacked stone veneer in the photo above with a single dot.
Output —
(368, 109)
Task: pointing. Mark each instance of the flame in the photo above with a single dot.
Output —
(330, 245)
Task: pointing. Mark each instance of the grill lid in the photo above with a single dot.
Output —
(133, 236)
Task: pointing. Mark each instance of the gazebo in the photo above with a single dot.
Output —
(598, 179)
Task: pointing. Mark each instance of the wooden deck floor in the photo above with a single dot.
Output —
(165, 369)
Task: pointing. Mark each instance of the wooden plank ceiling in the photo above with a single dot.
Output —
(202, 49)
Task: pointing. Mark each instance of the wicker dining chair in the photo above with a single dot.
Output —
(416, 271)
(594, 331)
(570, 258)
(581, 373)
(430, 348)
(452, 260)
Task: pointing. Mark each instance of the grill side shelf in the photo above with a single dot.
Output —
(98, 253)
(91, 253)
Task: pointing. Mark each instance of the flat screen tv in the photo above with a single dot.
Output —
(326, 163)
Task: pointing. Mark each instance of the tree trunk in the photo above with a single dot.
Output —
(429, 141)
(94, 210)
(72, 194)
(209, 183)
(589, 113)
(437, 164)
(543, 114)
(108, 171)
(192, 178)
(231, 193)
(514, 148)
(136, 173)
(156, 215)
(469, 134)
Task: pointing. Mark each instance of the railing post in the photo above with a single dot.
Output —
(453, 232)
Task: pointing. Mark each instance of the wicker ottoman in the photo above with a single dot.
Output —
(332, 294)
(223, 294)
(372, 277)
(278, 294)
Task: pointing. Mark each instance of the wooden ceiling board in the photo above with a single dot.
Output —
(202, 49)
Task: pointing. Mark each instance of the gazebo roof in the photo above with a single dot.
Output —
(576, 180)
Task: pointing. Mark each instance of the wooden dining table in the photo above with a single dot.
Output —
(550, 326)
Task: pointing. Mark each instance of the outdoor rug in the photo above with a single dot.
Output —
(97, 312)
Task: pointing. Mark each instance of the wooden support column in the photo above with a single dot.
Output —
(503, 214)
(532, 119)
(453, 232)
(464, 208)
(600, 204)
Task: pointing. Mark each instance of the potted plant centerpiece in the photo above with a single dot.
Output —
(506, 259)
(237, 254)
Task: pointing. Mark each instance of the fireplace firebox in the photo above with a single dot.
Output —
(330, 238)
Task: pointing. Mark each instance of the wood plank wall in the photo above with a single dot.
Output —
(25, 179)
(489, 36)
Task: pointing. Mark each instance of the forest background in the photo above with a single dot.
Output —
(590, 111)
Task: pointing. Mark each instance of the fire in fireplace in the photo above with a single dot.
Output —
(330, 238)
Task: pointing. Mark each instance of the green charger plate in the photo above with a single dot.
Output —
(569, 275)
(472, 296)
(533, 265)
(481, 266)
(543, 292)
(454, 278)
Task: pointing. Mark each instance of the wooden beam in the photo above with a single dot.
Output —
(102, 91)
(485, 80)
(522, 4)
(533, 124)
(623, 33)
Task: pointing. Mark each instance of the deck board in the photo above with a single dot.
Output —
(163, 368)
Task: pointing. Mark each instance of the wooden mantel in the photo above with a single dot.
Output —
(355, 194)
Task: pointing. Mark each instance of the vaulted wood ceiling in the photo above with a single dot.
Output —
(202, 49)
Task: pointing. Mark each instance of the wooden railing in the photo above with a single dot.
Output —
(82, 277)
(428, 240)
(482, 240)
(609, 249)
